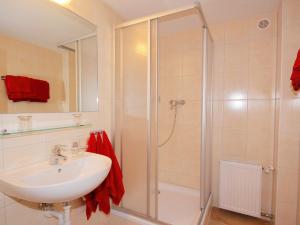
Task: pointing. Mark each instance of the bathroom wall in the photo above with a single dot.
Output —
(180, 77)
(287, 192)
(244, 83)
(19, 151)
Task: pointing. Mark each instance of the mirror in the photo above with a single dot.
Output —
(48, 59)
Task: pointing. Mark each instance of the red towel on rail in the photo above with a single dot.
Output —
(20, 88)
(90, 200)
(40, 91)
(112, 187)
(116, 186)
(295, 78)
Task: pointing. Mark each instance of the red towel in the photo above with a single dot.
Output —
(102, 192)
(295, 77)
(91, 203)
(40, 91)
(112, 187)
(20, 88)
(297, 62)
(116, 186)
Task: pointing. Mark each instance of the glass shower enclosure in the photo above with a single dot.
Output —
(163, 115)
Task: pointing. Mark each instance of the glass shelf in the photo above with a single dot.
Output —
(41, 129)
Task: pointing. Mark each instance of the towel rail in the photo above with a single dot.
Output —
(3, 77)
(96, 131)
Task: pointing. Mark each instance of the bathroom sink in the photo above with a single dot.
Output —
(45, 183)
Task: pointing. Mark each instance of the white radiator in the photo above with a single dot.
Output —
(240, 188)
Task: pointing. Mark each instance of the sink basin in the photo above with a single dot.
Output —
(45, 183)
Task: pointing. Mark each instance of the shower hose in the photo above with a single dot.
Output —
(173, 128)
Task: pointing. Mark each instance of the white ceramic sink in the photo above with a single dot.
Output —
(45, 183)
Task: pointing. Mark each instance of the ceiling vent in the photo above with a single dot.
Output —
(263, 24)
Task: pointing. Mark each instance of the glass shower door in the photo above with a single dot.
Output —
(163, 116)
(132, 114)
(180, 85)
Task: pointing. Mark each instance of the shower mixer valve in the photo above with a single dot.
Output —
(175, 103)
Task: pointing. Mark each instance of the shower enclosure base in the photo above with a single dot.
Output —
(178, 205)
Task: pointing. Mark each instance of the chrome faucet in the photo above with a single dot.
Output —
(57, 154)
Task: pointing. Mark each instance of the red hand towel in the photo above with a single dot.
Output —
(91, 203)
(112, 186)
(18, 88)
(40, 91)
(297, 62)
(295, 77)
(102, 192)
(296, 81)
(116, 177)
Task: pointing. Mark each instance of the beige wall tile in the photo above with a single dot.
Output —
(27, 214)
(235, 84)
(261, 114)
(236, 31)
(262, 53)
(261, 83)
(288, 153)
(287, 186)
(192, 62)
(286, 214)
(244, 96)
(170, 88)
(218, 32)
(236, 56)
(235, 114)
(289, 118)
(234, 143)
(218, 114)
(218, 84)
(191, 88)
(191, 113)
(260, 146)
(219, 57)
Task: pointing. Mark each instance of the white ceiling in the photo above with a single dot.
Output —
(215, 10)
(41, 22)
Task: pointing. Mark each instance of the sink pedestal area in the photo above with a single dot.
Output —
(60, 183)
(64, 218)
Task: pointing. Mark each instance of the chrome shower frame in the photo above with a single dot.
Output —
(206, 34)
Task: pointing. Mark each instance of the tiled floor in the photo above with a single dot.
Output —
(223, 217)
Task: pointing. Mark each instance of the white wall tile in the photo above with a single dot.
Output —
(23, 214)
(22, 156)
(14, 142)
(243, 96)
